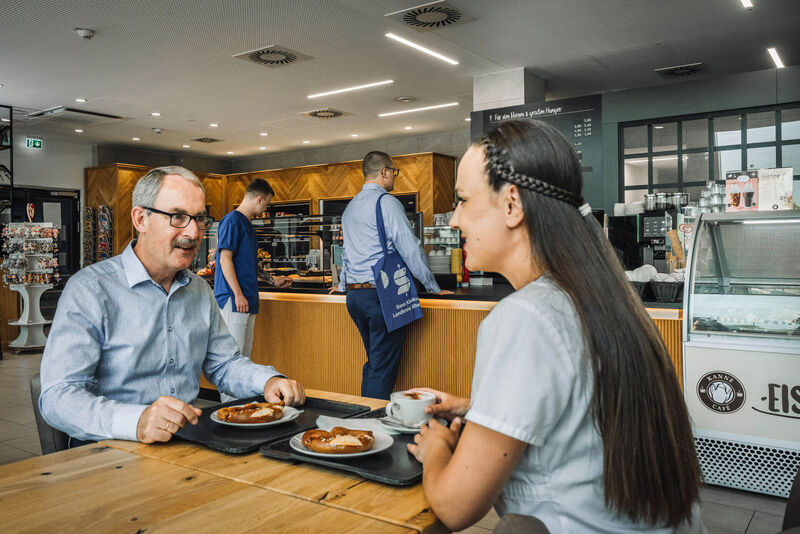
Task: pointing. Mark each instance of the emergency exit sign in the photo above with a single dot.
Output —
(30, 142)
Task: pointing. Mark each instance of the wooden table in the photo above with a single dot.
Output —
(127, 486)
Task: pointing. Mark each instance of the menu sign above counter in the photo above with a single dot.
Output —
(577, 118)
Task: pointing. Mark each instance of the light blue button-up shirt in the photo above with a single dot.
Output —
(362, 246)
(119, 342)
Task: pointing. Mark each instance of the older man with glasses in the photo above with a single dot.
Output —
(133, 333)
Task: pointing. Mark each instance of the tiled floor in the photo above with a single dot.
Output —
(725, 511)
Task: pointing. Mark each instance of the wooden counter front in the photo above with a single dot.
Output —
(311, 338)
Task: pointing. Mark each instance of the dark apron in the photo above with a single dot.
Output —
(394, 282)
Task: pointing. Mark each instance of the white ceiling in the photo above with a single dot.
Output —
(176, 58)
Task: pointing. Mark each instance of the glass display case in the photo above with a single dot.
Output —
(745, 276)
(439, 242)
(741, 349)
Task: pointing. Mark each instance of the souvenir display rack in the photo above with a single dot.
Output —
(89, 243)
(30, 266)
(105, 236)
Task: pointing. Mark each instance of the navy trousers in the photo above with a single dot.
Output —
(383, 348)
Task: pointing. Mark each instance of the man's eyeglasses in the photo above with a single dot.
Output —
(182, 220)
(395, 172)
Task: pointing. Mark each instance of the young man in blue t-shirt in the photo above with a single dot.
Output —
(235, 279)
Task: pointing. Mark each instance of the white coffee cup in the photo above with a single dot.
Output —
(409, 406)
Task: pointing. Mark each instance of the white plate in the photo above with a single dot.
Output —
(382, 442)
(289, 414)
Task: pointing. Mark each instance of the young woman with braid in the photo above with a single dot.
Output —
(576, 415)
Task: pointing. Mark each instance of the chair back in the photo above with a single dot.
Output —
(791, 519)
(51, 439)
(520, 524)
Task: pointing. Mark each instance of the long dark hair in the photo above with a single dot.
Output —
(650, 468)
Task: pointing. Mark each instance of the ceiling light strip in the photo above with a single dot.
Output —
(775, 57)
(448, 105)
(355, 88)
(421, 48)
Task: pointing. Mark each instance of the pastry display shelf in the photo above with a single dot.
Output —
(31, 323)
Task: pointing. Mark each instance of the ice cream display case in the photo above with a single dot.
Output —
(742, 349)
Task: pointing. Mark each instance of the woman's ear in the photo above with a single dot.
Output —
(512, 207)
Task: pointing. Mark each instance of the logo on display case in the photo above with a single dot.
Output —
(782, 400)
(721, 392)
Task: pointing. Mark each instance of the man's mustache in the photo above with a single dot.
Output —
(185, 242)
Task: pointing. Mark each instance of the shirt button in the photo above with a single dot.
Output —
(169, 329)
(172, 390)
(171, 360)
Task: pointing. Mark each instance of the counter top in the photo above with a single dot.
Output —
(491, 293)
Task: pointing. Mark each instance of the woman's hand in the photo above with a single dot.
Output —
(435, 436)
(447, 405)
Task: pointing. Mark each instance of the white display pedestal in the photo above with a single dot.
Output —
(31, 322)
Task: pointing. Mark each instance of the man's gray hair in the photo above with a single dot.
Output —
(148, 186)
(374, 162)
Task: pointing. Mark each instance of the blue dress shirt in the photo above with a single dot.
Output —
(119, 342)
(362, 247)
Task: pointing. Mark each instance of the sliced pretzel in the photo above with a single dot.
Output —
(255, 412)
(338, 441)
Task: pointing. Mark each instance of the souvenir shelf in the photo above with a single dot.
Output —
(89, 224)
(105, 243)
(30, 266)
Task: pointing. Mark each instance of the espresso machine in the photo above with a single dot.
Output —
(660, 216)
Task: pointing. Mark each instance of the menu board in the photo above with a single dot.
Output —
(577, 118)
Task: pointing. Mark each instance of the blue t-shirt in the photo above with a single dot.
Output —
(236, 234)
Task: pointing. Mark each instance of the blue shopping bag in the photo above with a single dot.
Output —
(394, 282)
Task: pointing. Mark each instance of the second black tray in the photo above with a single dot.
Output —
(240, 440)
(394, 466)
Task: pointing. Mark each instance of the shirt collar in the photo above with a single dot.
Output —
(136, 273)
(374, 187)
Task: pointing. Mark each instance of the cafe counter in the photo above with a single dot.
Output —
(308, 335)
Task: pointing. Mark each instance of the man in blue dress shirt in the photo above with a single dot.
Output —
(132, 334)
(362, 249)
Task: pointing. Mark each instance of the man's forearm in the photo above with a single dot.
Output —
(229, 272)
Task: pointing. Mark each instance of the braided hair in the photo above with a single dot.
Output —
(650, 468)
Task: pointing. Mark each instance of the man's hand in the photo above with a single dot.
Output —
(444, 292)
(281, 281)
(435, 435)
(333, 290)
(163, 418)
(291, 392)
(242, 306)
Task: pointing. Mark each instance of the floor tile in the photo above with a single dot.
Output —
(18, 414)
(11, 430)
(28, 443)
(743, 499)
(15, 396)
(10, 454)
(719, 530)
(765, 523)
(722, 515)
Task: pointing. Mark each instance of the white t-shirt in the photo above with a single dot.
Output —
(532, 383)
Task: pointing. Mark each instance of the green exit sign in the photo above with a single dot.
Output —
(30, 142)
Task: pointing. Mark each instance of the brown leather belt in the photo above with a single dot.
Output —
(365, 285)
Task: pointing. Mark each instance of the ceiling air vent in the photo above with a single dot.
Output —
(325, 114)
(431, 16)
(273, 56)
(207, 140)
(681, 71)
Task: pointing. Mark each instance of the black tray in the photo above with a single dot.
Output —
(240, 440)
(394, 466)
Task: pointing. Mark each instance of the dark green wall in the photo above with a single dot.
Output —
(752, 89)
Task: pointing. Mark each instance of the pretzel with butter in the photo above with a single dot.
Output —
(255, 412)
(338, 441)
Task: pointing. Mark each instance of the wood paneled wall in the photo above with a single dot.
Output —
(9, 311)
(431, 175)
(113, 185)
